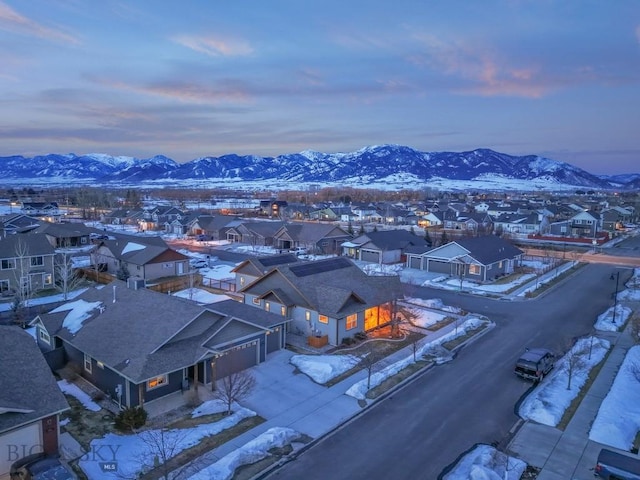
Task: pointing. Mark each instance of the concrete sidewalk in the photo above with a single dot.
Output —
(314, 410)
(569, 454)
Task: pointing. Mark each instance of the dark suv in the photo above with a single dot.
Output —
(535, 363)
(615, 466)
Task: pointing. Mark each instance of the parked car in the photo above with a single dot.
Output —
(616, 466)
(535, 363)
(299, 250)
(40, 466)
(198, 263)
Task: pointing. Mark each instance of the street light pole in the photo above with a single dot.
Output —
(615, 296)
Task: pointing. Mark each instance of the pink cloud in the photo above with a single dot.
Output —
(13, 21)
(214, 47)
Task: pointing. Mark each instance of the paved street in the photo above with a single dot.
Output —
(420, 430)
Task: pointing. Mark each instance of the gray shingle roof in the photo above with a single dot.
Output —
(489, 249)
(35, 244)
(26, 382)
(391, 239)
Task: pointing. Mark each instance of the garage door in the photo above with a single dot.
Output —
(370, 256)
(415, 262)
(237, 359)
(439, 267)
(19, 443)
(273, 340)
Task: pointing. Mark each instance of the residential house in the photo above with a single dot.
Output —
(319, 238)
(148, 258)
(526, 223)
(67, 235)
(329, 300)
(122, 217)
(366, 212)
(614, 218)
(30, 400)
(394, 215)
(26, 261)
(255, 267)
(583, 224)
(272, 208)
(254, 233)
(48, 211)
(480, 259)
(430, 219)
(387, 246)
(155, 218)
(137, 345)
(214, 227)
(17, 223)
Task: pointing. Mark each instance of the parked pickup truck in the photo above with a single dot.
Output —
(535, 363)
(615, 466)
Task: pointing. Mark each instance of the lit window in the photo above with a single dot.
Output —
(157, 382)
(323, 319)
(500, 265)
(87, 363)
(48, 279)
(474, 269)
(44, 336)
(283, 311)
(267, 306)
(307, 315)
(352, 321)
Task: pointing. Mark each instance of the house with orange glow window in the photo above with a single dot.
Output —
(326, 300)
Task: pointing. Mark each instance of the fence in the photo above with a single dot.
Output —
(224, 285)
(96, 276)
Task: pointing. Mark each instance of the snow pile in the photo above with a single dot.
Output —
(630, 295)
(634, 281)
(136, 452)
(198, 295)
(211, 407)
(322, 368)
(75, 391)
(359, 389)
(547, 403)
(434, 303)
(251, 452)
(606, 322)
(487, 463)
(79, 311)
(618, 420)
(375, 269)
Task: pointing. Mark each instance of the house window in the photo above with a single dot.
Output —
(323, 319)
(352, 321)
(256, 301)
(283, 311)
(4, 286)
(474, 269)
(47, 279)
(500, 264)
(83, 240)
(267, 306)
(157, 382)
(307, 316)
(242, 281)
(87, 363)
(8, 264)
(37, 261)
(44, 336)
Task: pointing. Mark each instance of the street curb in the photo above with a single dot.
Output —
(374, 402)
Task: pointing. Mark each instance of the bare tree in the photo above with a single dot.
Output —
(369, 360)
(234, 387)
(573, 362)
(22, 290)
(67, 278)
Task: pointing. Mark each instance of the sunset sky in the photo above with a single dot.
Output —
(190, 79)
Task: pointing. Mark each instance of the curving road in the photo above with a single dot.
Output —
(421, 429)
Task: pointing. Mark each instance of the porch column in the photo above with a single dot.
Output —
(141, 395)
(195, 377)
(213, 375)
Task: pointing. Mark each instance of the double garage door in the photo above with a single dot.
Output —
(370, 256)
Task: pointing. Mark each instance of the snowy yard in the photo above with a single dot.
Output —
(547, 403)
(75, 391)
(322, 368)
(611, 427)
(613, 318)
(487, 463)
(133, 453)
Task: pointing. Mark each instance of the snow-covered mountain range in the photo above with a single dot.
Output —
(383, 166)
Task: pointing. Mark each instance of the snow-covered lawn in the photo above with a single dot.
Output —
(420, 317)
(75, 391)
(218, 272)
(487, 463)
(547, 403)
(606, 322)
(359, 389)
(629, 295)
(434, 303)
(322, 368)
(618, 420)
(251, 452)
(135, 452)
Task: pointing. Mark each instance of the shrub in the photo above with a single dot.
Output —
(348, 341)
(130, 419)
(360, 336)
(98, 396)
